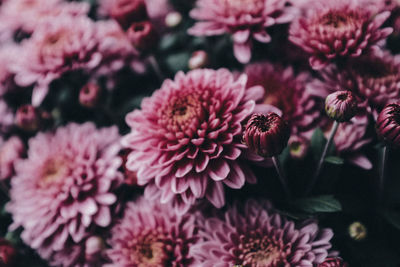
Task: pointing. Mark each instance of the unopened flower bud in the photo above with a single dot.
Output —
(10, 151)
(266, 135)
(130, 177)
(94, 245)
(143, 36)
(125, 12)
(7, 253)
(357, 231)
(333, 262)
(199, 59)
(28, 118)
(298, 147)
(388, 125)
(341, 106)
(173, 19)
(89, 95)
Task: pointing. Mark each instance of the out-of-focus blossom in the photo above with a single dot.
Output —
(26, 15)
(173, 19)
(256, 235)
(10, 151)
(64, 190)
(8, 254)
(333, 262)
(358, 231)
(388, 125)
(338, 29)
(199, 59)
(55, 48)
(89, 95)
(126, 12)
(298, 147)
(143, 36)
(288, 94)
(266, 135)
(152, 234)
(245, 20)
(341, 106)
(27, 118)
(186, 139)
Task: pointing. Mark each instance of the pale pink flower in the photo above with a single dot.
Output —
(255, 235)
(186, 139)
(64, 189)
(152, 234)
(338, 29)
(6, 118)
(246, 20)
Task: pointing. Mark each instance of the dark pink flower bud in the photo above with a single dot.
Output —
(89, 95)
(10, 151)
(7, 253)
(298, 147)
(341, 106)
(125, 12)
(266, 135)
(28, 118)
(388, 125)
(143, 35)
(199, 59)
(333, 262)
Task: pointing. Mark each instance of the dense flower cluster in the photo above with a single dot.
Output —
(140, 133)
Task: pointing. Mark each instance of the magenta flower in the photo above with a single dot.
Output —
(256, 235)
(341, 106)
(186, 140)
(388, 125)
(152, 234)
(55, 48)
(244, 19)
(338, 29)
(287, 92)
(64, 189)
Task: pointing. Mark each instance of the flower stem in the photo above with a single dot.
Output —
(323, 156)
(156, 67)
(382, 173)
(282, 176)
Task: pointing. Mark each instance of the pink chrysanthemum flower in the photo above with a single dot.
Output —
(55, 48)
(244, 19)
(256, 235)
(64, 189)
(152, 234)
(26, 15)
(186, 140)
(338, 29)
(288, 93)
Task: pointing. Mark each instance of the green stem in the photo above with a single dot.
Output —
(282, 176)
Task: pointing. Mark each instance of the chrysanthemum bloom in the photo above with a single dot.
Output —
(266, 135)
(186, 140)
(55, 48)
(152, 234)
(388, 124)
(338, 29)
(64, 189)
(333, 262)
(256, 235)
(244, 19)
(10, 151)
(6, 117)
(341, 106)
(8, 253)
(26, 15)
(288, 94)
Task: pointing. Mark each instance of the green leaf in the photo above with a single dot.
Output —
(323, 203)
(168, 42)
(393, 217)
(334, 160)
(178, 61)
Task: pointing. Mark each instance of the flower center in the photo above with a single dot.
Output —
(149, 249)
(262, 251)
(335, 19)
(53, 171)
(182, 112)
